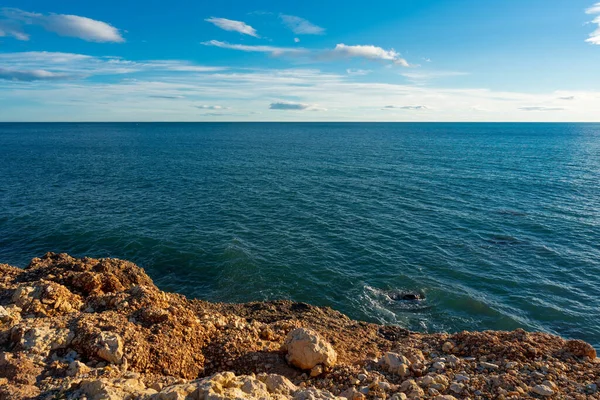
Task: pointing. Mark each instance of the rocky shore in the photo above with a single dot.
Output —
(100, 329)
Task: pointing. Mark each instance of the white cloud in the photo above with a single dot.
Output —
(369, 52)
(567, 98)
(9, 28)
(300, 26)
(148, 97)
(296, 40)
(207, 107)
(249, 48)
(66, 25)
(233, 26)
(31, 75)
(405, 108)
(595, 9)
(71, 65)
(541, 108)
(358, 72)
(594, 36)
(288, 106)
(426, 76)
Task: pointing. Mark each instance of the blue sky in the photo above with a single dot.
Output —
(400, 60)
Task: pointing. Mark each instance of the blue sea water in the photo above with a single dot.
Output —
(497, 224)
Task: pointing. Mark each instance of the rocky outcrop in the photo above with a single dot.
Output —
(80, 328)
(307, 350)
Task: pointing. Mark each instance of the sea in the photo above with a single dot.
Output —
(490, 226)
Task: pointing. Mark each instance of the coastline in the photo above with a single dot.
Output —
(100, 329)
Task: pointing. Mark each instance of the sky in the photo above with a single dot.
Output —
(267, 60)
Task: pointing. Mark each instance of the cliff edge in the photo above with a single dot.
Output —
(82, 328)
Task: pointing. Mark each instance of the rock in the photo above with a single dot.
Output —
(110, 347)
(352, 394)
(101, 390)
(488, 365)
(4, 314)
(306, 349)
(411, 389)
(457, 387)
(453, 360)
(395, 363)
(278, 384)
(185, 391)
(579, 348)
(444, 397)
(542, 390)
(511, 365)
(550, 384)
(461, 378)
(42, 339)
(398, 396)
(591, 388)
(362, 377)
(77, 368)
(316, 371)
(448, 347)
(440, 366)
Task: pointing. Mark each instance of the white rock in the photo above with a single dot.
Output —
(43, 339)
(278, 384)
(543, 390)
(440, 366)
(110, 347)
(77, 368)
(488, 365)
(306, 349)
(457, 387)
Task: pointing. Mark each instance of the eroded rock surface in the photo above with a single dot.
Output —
(100, 329)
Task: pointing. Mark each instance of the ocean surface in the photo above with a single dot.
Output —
(497, 225)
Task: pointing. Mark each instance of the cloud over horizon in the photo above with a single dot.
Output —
(405, 108)
(289, 106)
(541, 108)
(76, 26)
(233, 26)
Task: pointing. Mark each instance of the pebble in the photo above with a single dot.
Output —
(591, 388)
(511, 365)
(488, 365)
(440, 366)
(542, 390)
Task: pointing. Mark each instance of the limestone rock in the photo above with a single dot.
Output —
(77, 368)
(395, 363)
(306, 349)
(543, 390)
(110, 347)
(278, 384)
(42, 339)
